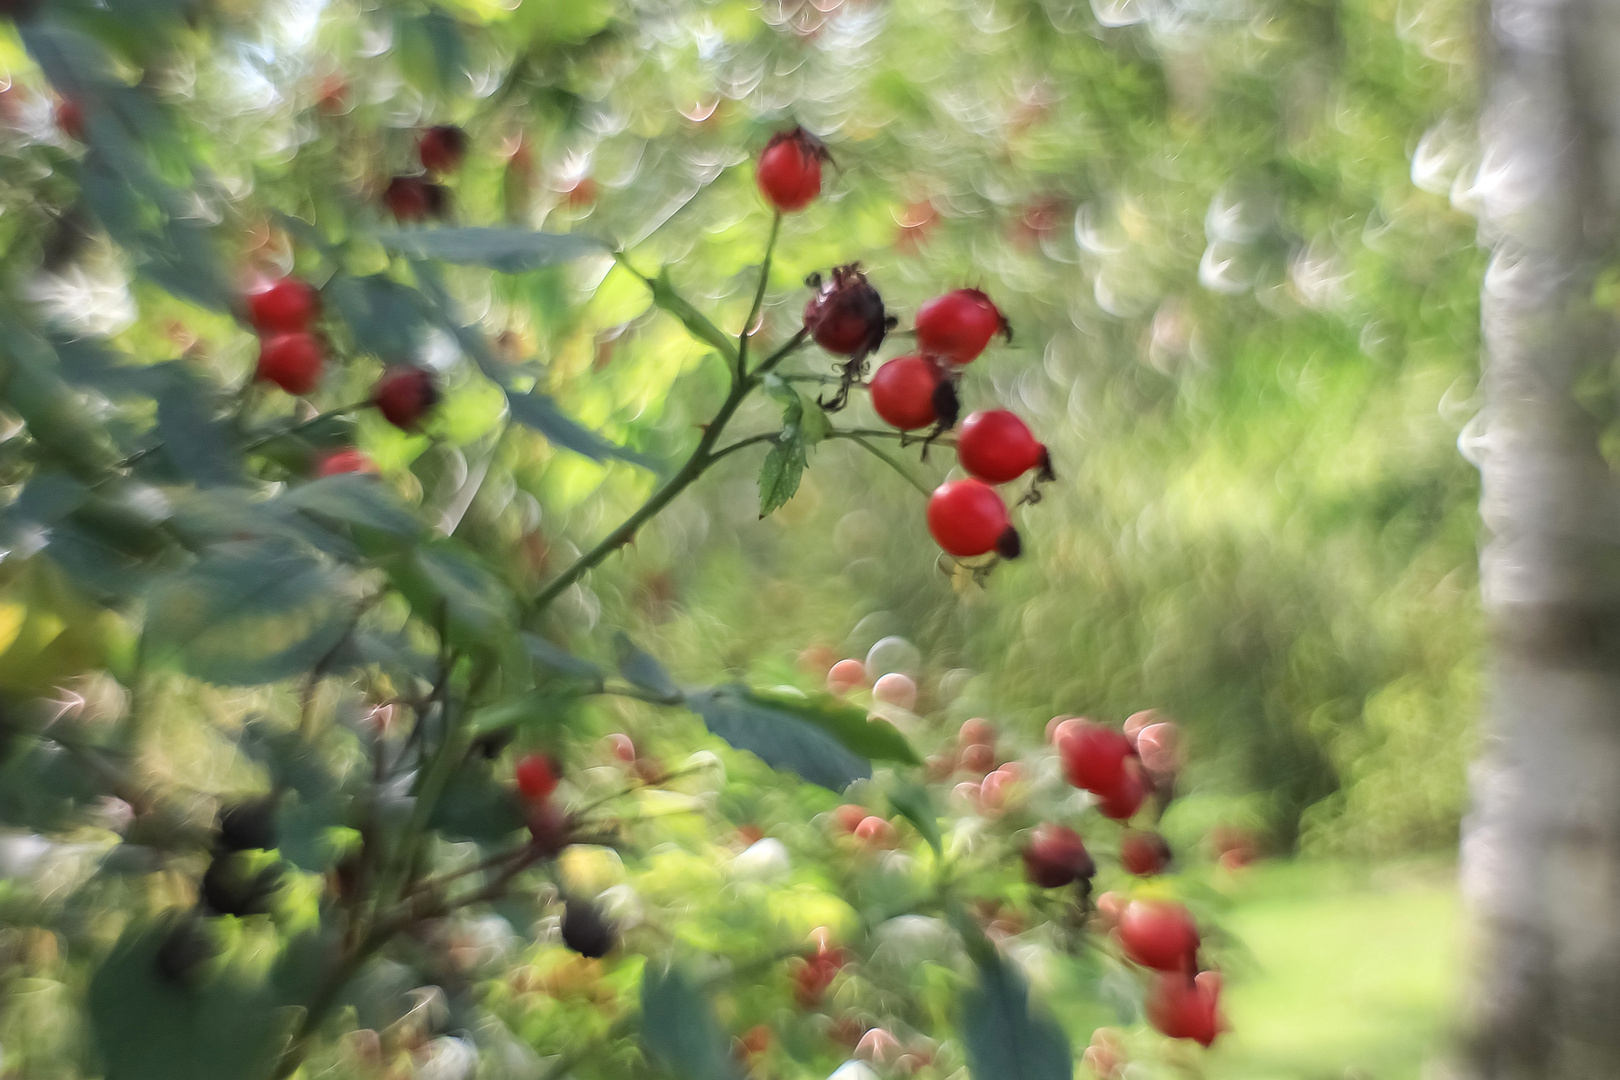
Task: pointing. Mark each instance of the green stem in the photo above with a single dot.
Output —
(742, 444)
(907, 438)
(304, 425)
(759, 297)
(883, 456)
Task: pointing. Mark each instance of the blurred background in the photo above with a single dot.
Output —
(1235, 242)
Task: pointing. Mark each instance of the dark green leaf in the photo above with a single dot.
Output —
(196, 440)
(643, 671)
(246, 613)
(849, 724)
(511, 251)
(1003, 1038)
(540, 412)
(679, 1028)
(353, 499)
(474, 807)
(446, 584)
(305, 831)
(779, 737)
(560, 661)
(780, 472)
(385, 317)
(912, 801)
(42, 786)
(207, 1024)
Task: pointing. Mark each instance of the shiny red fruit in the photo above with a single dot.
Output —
(346, 460)
(789, 172)
(903, 392)
(845, 316)
(996, 446)
(291, 361)
(1144, 853)
(1158, 934)
(1186, 1006)
(404, 395)
(441, 148)
(849, 817)
(1124, 798)
(536, 779)
(968, 518)
(957, 326)
(1093, 756)
(283, 305)
(1056, 856)
(70, 118)
(876, 831)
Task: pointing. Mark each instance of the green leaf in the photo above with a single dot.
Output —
(643, 671)
(912, 801)
(247, 613)
(445, 583)
(697, 324)
(679, 1028)
(849, 724)
(1004, 1040)
(352, 499)
(510, 251)
(781, 472)
(474, 807)
(211, 1025)
(196, 441)
(385, 317)
(540, 412)
(779, 737)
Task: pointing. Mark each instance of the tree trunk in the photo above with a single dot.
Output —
(1541, 848)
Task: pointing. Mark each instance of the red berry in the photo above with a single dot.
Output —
(903, 392)
(441, 148)
(291, 361)
(550, 828)
(876, 831)
(411, 198)
(968, 518)
(789, 172)
(404, 394)
(1093, 756)
(1185, 1006)
(282, 305)
(977, 730)
(958, 325)
(1144, 853)
(70, 118)
(346, 460)
(849, 817)
(1055, 857)
(845, 316)
(845, 676)
(978, 758)
(1158, 934)
(536, 779)
(813, 977)
(996, 446)
(1121, 801)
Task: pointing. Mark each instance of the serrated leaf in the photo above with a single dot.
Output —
(912, 801)
(196, 441)
(780, 473)
(697, 324)
(779, 737)
(1003, 1038)
(510, 251)
(849, 724)
(247, 613)
(540, 412)
(642, 670)
(679, 1028)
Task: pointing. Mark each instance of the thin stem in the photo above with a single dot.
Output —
(304, 425)
(759, 297)
(906, 438)
(742, 444)
(883, 456)
(788, 348)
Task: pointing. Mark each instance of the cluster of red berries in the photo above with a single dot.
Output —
(417, 198)
(845, 316)
(1183, 1002)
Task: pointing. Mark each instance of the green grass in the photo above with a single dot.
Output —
(1343, 973)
